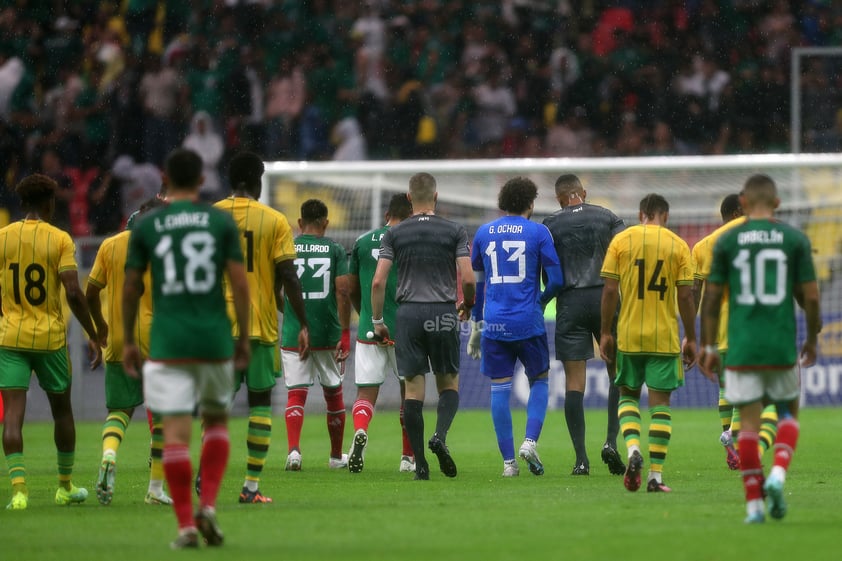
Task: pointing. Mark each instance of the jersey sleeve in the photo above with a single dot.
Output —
(283, 247)
(354, 260)
(67, 257)
(702, 256)
(476, 252)
(617, 224)
(387, 251)
(549, 256)
(610, 264)
(684, 273)
(99, 272)
(719, 262)
(341, 259)
(462, 249)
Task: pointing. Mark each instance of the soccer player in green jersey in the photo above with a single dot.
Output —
(36, 261)
(322, 268)
(766, 266)
(188, 247)
(651, 269)
(266, 241)
(374, 359)
(122, 393)
(729, 416)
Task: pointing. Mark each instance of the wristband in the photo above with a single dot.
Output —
(711, 349)
(380, 321)
(345, 341)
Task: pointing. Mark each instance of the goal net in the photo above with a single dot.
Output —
(810, 187)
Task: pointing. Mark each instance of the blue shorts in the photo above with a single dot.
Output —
(498, 357)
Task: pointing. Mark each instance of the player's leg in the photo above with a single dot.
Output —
(15, 375)
(534, 354)
(663, 376)
(782, 388)
(768, 427)
(330, 374)
(443, 350)
(630, 378)
(413, 364)
(214, 383)
(260, 376)
(497, 363)
(729, 419)
(370, 364)
(122, 395)
(609, 454)
(155, 494)
(407, 456)
(53, 369)
(298, 377)
(414, 420)
(574, 412)
(574, 346)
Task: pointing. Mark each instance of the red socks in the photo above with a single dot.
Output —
(335, 419)
(216, 446)
(296, 398)
(407, 446)
(750, 466)
(179, 473)
(787, 438)
(362, 412)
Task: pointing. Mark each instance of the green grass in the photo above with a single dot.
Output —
(319, 514)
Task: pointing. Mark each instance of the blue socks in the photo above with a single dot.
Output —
(501, 415)
(536, 407)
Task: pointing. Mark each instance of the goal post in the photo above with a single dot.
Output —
(810, 187)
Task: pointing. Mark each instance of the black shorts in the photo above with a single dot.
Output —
(577, 323)
(427, 338)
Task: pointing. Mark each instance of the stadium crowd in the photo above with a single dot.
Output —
(95, 94)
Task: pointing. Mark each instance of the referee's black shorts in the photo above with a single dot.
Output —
(427, 338)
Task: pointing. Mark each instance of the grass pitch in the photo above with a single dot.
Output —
(381, 514)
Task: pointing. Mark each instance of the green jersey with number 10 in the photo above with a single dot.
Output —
(761, 261)
(187, 246)
(320, 260)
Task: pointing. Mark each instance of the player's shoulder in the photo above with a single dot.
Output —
(369, 237)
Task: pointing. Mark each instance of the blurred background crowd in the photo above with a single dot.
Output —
(96, 93)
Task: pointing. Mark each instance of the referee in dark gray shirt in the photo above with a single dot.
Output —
(581, 234)
(427, 249)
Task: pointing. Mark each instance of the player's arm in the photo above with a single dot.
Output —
(240, 291)
(608, 308)
(92, 293)
(687, 311)
(354, 291)
(378, 296)
(709, 358)
(469, 287)
(553, 284)
(79, 307)
(809, 292)
(290, 285)
(698, 288)
(343, 308)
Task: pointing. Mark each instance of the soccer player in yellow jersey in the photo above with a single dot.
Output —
(729, 416)
(36, 261)
(267, 243)
(122, 393)
(650, 269)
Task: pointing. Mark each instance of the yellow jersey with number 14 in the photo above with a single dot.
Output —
(649, 262)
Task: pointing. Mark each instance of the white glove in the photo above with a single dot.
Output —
(474, 341)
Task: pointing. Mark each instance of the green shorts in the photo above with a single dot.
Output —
(121, 391)
(659, 372)
(264, 367)
(51, 367)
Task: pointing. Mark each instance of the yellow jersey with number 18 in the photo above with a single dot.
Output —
(32, 254)
(649, 262)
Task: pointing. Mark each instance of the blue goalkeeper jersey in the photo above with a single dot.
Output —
(510, 253)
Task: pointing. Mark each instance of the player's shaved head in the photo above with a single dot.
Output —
(568, 184)
(652, 205)
(313, 211)
(184, 169)
(245, 172)
(730, 207)
(399, 207)
(517, 195)
(760, 190)
(422, 188)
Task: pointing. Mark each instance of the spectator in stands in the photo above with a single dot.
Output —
(164, 95)
(285, 97)
(208, 144)
(495, 106)
(52, 167)
(350, 143)
(138, 182)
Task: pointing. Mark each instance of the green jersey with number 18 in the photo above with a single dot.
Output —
(363, 264)
(187, 246)
(761, 261)
(320, 260)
